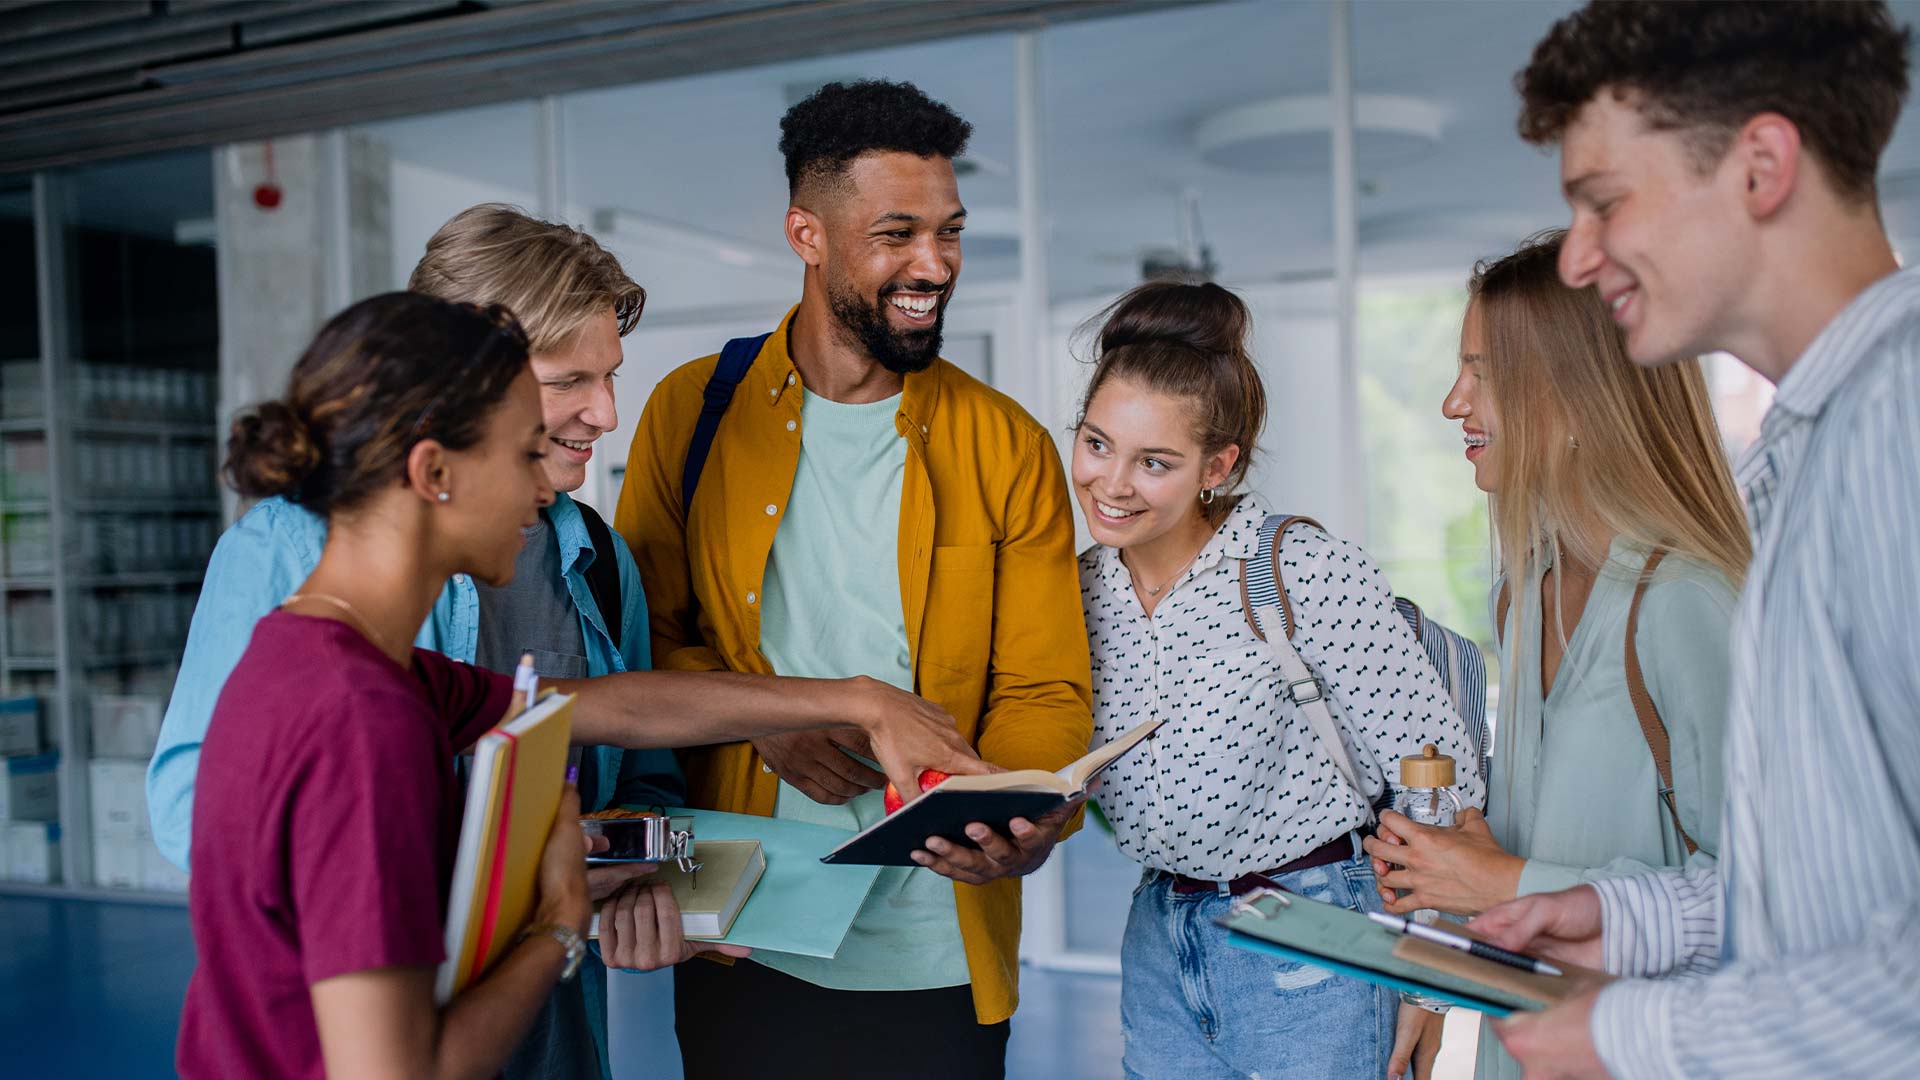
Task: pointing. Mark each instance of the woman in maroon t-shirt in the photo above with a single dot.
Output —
(322, 855)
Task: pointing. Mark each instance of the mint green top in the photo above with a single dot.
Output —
(1573, 785)
(831, 609)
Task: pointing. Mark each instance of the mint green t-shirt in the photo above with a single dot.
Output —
(831, 609)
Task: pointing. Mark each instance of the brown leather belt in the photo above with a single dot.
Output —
(1339, 849)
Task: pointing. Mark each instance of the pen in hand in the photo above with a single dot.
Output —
(1464, 944)
(525, 685)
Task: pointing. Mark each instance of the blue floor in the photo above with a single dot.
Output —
(90, 989)
(93, 989)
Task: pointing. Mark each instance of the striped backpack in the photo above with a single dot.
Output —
(1455, 657)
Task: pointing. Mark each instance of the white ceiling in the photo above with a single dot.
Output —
(1121, 100)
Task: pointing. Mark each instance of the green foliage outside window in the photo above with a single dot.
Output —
(1427, 523)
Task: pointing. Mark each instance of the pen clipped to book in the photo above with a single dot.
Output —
(1463, 943)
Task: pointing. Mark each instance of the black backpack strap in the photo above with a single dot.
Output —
(735, 360)
(603, 574)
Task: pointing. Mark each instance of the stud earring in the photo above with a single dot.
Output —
(446, 495)
(1573, 443)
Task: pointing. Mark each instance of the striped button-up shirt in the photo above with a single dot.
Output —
(1807, 935)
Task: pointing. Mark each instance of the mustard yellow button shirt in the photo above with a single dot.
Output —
(988, 584)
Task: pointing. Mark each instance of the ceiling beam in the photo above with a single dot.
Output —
(505, 53)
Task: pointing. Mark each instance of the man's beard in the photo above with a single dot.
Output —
(902, 352)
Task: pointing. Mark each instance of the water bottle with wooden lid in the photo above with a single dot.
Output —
(1426, 788)
(1427, 797)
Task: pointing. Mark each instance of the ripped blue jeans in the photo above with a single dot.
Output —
(1193, 1007)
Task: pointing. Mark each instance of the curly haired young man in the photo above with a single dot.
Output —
(1720, 162)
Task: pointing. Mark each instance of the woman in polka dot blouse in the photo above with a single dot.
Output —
(1234, 788)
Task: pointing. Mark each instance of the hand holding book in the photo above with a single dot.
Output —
(1018, 853)
(641, 929)
(972, 811)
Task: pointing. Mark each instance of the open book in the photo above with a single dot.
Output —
(710, 898)
(519, 769)
(995, 799)
(1347, 942)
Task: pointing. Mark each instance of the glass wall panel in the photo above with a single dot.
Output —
(1428, 523)
(111, 506)
(19, 320)
(1443, 181)
(27, 679)
(140, 384)
(1156, 167)
(439, 164)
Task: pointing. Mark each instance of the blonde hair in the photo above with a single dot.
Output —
(1588, 436)
(553, 277)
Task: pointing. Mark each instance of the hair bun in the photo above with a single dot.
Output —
(1205, 318)
(271, 451)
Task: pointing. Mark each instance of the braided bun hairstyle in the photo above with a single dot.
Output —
(385, 374)
(1188, 342)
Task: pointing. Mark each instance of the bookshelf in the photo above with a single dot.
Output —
(109, 509)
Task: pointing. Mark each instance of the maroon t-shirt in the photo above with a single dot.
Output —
(325, 823)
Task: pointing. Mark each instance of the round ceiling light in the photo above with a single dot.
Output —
(1291, 134)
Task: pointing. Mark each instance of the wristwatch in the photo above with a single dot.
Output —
(569, 939)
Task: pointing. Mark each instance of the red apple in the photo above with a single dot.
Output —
(928, 779)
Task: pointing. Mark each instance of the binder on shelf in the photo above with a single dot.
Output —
(20, 726)
(519, 772)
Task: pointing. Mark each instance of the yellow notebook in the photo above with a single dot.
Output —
(519, 771)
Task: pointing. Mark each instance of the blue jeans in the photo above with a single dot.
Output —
(1193, 1007)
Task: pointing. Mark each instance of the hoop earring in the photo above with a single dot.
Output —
(1207, 495)
(445, 496)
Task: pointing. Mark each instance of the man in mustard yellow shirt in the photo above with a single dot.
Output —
(864, 507)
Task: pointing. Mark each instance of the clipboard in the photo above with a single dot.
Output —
(1312, 932)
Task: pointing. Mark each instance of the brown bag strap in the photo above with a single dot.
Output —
(1651, 726)
(1279, 583)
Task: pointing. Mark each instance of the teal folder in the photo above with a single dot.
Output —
(801, 905)
(1311, 932)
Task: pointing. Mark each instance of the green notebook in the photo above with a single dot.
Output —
(801, 905)
(1312, 932)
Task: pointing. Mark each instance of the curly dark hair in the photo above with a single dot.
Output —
(1837, 69)
(822, 135)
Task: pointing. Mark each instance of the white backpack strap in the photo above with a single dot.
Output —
(1299, 684)
(1309, 696)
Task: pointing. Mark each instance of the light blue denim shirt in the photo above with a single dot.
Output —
(265, 556)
